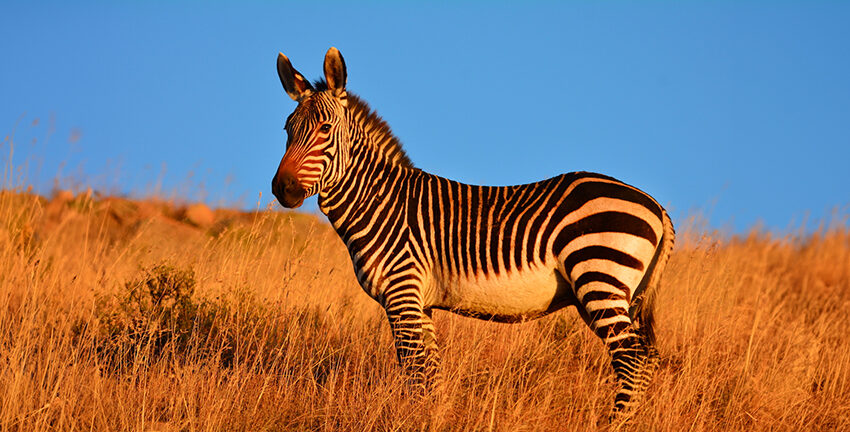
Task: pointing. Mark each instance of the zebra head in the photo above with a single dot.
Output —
(317, 145)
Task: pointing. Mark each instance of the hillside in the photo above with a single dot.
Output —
(120, 314)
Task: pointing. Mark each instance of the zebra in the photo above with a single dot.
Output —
(420, 242)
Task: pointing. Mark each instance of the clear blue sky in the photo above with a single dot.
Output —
(738, 109)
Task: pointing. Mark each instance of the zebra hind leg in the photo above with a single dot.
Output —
(633, 356)
(637, 359)
(634, 361)
(604, 306)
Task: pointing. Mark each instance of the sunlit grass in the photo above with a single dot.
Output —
(99, 330)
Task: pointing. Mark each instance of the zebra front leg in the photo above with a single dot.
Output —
(416, 344)
(433, 372)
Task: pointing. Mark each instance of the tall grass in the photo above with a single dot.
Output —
(118, 315)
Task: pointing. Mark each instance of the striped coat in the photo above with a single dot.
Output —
(419, 242)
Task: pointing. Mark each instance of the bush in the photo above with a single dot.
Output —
(153, 315)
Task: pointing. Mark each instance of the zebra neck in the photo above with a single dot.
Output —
(371, 185)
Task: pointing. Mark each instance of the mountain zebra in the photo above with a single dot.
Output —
(420, 242)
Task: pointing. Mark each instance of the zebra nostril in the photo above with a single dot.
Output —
(291, 186)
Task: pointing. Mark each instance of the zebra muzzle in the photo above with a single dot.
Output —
(287, 190)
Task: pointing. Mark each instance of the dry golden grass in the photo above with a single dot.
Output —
(118, 315)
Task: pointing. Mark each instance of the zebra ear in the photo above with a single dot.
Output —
(293, 82)
(335, 73)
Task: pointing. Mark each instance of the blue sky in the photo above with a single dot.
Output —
(740, 110)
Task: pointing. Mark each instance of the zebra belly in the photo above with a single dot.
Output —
(513, 296)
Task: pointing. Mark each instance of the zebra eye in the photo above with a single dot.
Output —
(325, 128)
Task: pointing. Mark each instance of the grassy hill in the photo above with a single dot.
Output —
(143, 315)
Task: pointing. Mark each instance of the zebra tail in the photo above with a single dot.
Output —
(642, 310)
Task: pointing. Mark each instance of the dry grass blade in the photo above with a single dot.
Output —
(121, 315)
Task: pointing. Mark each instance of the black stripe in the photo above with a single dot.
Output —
(594, 276)
(469, 230)
(514, 206)
(475, 228)
(423, 205)
(436, 223)
(484, 228)
(588, 277)
(601, 252)
(444, 222)
(460, 224)
(604, 222)
(454, 242)
(495, 229)
(560, 185)
(600, 295)
(607, 313)
(612, 330)
(590, 190)
(538, 195)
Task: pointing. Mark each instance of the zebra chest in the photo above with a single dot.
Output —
(507, 297)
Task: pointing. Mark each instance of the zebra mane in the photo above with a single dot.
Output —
(379, 132)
